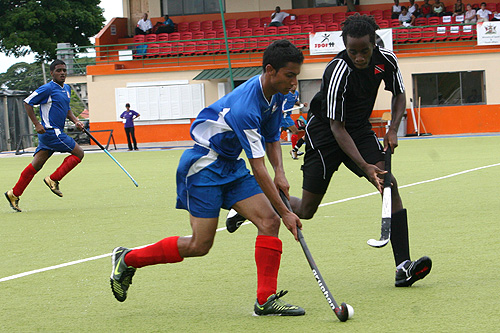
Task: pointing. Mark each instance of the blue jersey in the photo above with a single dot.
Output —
(290, 100)
(54, 104)
(241, 120)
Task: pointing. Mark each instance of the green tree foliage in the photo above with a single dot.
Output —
(24, 76)
(37, 26)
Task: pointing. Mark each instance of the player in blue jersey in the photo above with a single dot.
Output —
(53, 98)
(292, 101)
(211, 176)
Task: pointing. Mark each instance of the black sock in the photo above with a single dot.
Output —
(399, 236)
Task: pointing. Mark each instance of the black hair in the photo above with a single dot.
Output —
(55, 63)
(127, 105)
(281, 52)
(357, 26)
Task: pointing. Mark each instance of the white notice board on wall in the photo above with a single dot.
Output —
(162, 102)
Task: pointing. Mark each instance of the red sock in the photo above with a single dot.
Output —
(24, 180)
(162, 252)
(267, 257)
(294, 140)
(67, 165)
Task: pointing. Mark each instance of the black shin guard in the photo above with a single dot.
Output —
(399, 236)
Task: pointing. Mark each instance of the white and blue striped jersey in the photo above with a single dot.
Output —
(54, 104)
(241, 120)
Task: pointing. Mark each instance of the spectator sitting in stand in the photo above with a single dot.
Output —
(459, 8)
(470, 15)
(483, 14)
(277, 17)
(396, 10)
(144, 26)
(168, 26)
(438, 9)
(425, 9)
(405, 18)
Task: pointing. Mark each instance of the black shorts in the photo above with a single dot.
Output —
(321, 163)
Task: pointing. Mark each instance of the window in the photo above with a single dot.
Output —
(190, 7)
(457, 88)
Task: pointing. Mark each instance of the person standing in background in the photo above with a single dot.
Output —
(130, 116)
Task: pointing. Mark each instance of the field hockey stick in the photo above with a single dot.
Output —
(344, 311)
(385, 232)
(106, 151)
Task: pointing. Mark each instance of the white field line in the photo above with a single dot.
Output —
(20, 275)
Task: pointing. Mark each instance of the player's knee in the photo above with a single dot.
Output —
(200, 249)
(270, 226)
(306, 213)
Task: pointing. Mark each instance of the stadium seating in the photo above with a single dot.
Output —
(441, 33)
(153, 50)
(402, 36)
(182, 26)
(302, 19)
(467, 32)
(454, 33)
(427, 34)
(198, 35)
(288, 21)
(387, 14)
(242, 23)
(314, 18)
(421, 21)
(246, 32)
(339, 17)
(319, 27)
(264, 21)
(254, 22)
(162, 37)
(230, 24)
(334, 26)
(415, 35)
(383, 24)
(151, 38)
(194, 26)
(259, 31)
(377, 14)
(283, 30)
(491, 6)
(206, 25)
(217, 25)
(327, 18)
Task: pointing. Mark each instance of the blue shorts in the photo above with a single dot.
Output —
(207, 182)
(55, 140)
(287, 121)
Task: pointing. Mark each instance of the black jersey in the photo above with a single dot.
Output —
(348, 94)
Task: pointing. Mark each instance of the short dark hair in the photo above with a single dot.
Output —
(55, 63)
(281, 52)
(357, 26)
(127, 105)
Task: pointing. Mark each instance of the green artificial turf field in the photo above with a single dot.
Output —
(453, 219)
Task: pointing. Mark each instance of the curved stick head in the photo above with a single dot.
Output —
(342, 312)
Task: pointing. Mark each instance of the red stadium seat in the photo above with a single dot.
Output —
(230, 24)
(421, 21)
(334, 26)
(454, 32)
(251, 44)
(198, 35)
(402, 35)
(314, 18)
(217, 25)
(262, 43)
(327, 18)
(162, 37)
(194, 26)
(433, 20)
(270, 31)
(383, 24)
(264, 21)
(319, 27)
(246, 32)
(202, 47)
(289, 22)
(254, 22)
(174, 36)
(387, 14)
(259, 31)
(467, 32)
(206, 25)
(242, 23)
(339, 17)
(153, 50)
(165, 49)
(237, 45)
(446, 20)
(139, 38)
(182, 26)
(189, 48)
(491, 6)
(394, 23)
(427, 34)
(498, 7)
(441, 34)
(302, 19)
(151, 38)
(415, 35)
(377, 14)
(186, 35)
(364, 12)
(283, 30)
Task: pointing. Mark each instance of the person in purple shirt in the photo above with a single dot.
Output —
(129, 116)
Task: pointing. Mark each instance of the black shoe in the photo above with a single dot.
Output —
(234, 221)
(300, 153)
(276, 307)
(409, 272)
(121, 274)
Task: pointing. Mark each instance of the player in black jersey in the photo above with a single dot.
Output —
(339, 131)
